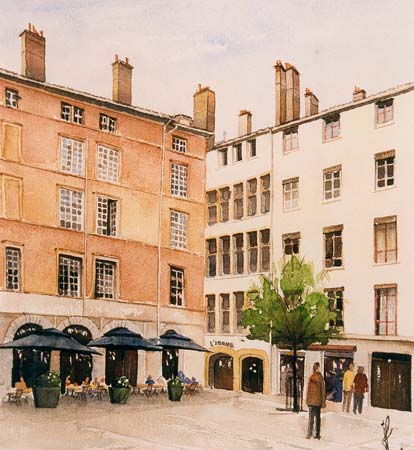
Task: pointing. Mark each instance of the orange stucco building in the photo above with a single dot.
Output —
(101, 215)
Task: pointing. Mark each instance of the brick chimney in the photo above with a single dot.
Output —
(245, 122)
(33, 53)
(280, 85)
(358, 94)
(204, 108)
(121, 81)
(292, 93)
(311, 103)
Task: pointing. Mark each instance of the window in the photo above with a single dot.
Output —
(265, 193)
(332, 183)
(225, 268)
(12, 98)
(71, 156)
(107, 123)
(385, 231)
(291, 244)
(290, 140)
(225, 313)
(69, 282)
(265, 250)
(291, 194)
(223, 157)
(179, 180)
(105, 278)
(237, 152)
(385, 111)
(336, 305)
(178, 229)
(224, 204)
(13, 268)
(238, 253)
(176, 286)
(252, 148)
(238, 303)
(332, 127)
(384, 169)
(179, 144)
(106, 216)
(108, 164)
(333, 246)
(12, 141)
(252, 197)
(211, 207)
(211, 257)
(252, 251)
(211, 313)
(386, 310)
(71, 209)
(238, 201)
(71, 113)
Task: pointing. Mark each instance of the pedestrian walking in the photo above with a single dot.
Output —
(315, 399)
(348, 384)
(360, 387)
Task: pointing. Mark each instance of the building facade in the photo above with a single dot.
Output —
(101, 209)
(340, 198)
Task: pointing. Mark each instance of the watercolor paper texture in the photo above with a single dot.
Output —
(205, 225)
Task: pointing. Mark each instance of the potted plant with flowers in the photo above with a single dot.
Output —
(46, 391)
(175, 389)
(119, 390)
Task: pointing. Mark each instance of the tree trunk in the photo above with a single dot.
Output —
(295, 381)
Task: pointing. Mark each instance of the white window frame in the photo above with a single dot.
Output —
(15, 265)
(178, 229)
(252, 144)
(386, 178)
(108, 164)
(237, 147)
(290, 200)
(179, 144)
(290, 140)
(332, 127)
(103, 216)
(329, 178)
(108, 290)
(72, 156)
(387, 115)
(107, 123)
(179, 177)
(67, 212)
(11, 98)
(70, 259)
(176, 291)
(221, 157)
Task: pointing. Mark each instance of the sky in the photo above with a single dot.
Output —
(230, 46)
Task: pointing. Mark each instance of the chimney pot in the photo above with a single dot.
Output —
(358, 94)
(121, 81)
(33, 53)
(245, 122)
(311, 103)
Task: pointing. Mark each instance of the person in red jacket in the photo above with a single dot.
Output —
(315, 399)
(360, 387)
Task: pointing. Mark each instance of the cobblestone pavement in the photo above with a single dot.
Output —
(208, 420)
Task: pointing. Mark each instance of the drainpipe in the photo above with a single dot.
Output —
(85, 241)
(164, 134)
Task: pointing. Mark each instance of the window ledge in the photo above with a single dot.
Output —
(386, 124)
(291, 210)
(176, 306)
(252, 157)
(385, 188)
(326, 141)
(288, 152)
(335, 200)
(385, 264)
(333, 269)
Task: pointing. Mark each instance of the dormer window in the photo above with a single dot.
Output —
(179, 144)
(384, 111)
(332, 127)
(290, 140)
(70, 113)
(12, 98)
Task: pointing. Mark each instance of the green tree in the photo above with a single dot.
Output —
(291, 311)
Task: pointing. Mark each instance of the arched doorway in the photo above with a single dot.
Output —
(120, 363)
(169, 363)
(75, 365)
(28, 363)
(221, 371)
(252, 375)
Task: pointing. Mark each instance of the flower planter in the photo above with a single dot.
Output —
(46, 397)
(118, 394)
(175, 392)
